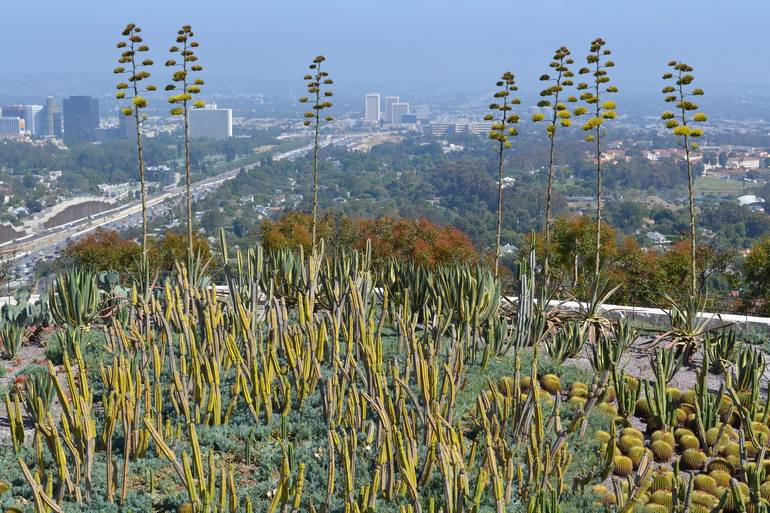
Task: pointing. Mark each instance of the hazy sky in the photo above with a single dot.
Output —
(424, 42)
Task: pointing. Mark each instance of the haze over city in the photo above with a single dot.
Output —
(430, 43)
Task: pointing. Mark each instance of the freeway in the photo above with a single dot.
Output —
(23, 253)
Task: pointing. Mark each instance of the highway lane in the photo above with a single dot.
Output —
(45, 246)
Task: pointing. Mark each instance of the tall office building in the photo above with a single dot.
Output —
(398, 109)
(372, 108)
(126, 126)
(81, 118)
(48, 123)
(211, 122)
(31, 118)
(389, 101)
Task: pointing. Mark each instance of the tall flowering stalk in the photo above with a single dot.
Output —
(503, 129)
(316, 82)
(183, 100)
(132, 92)
(681, 125)
(555, 99)
(603, 110)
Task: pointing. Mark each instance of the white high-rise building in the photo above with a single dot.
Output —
(389, 101)
(398, 109)
(211, 122)
(372, 108)
(32, 118)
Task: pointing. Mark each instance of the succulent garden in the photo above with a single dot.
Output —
(289, 380)
(320, 383)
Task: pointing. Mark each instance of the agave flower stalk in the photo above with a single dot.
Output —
(602, 111)
(681, 124)
(317, 82)
(137, 70)
(182, 77)
(554, 98)
(503, 129)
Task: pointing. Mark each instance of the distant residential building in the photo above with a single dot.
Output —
(507, 181)
(473, 128)
(389, 101)
(126, 129)
(211, 122)
(409, 119)
(437, 128)
(657, 238)
(81, 118)
(752, 202)
(398, 109)
(734, 163)
(372, 108)
(11, 126)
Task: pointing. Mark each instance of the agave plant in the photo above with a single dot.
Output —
(531, 317)
(497, 333)
(407, 284)
(68, 338)
(566, 342)
(749, 366)
(608, 350)
(287, 274)
(689, 328)
(721, 348)
(11, 339)
(470, 292)
(592, 314)
(75, 298)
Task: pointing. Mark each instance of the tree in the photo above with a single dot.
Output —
(103, 250)
(315, 82)
(291, 231)
(502, 130)
(132, 46)
(593, 126)
(419, 241)
(756, 268)
(166, 251)
(722, 159)
(560, 116)
(182, 75)
(680, 125)
(573, 249)
(108, 250)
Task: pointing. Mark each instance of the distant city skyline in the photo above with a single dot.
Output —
(451, 44)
